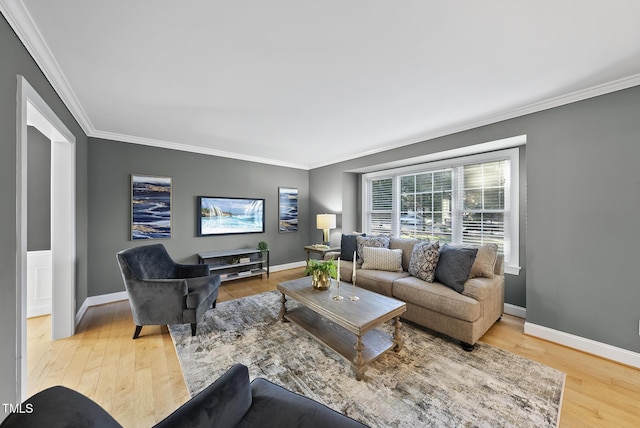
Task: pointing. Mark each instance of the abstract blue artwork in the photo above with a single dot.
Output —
(150, 207)
(287, 209)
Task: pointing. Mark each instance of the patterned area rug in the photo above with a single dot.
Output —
(430, 382)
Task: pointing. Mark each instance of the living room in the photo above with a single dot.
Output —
(577, 234)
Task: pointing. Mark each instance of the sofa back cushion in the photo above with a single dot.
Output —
(485, 261)
(406, 245)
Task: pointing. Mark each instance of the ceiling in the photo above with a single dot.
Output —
(304, 83)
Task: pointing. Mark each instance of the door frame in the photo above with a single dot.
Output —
(33, 110)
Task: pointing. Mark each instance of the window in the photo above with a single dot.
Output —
(468, 200)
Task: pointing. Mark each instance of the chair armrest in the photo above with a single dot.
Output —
(147, 296)
(191, 271)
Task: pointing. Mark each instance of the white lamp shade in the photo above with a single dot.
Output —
(326, 221)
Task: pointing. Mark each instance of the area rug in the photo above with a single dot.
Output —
(430, 382)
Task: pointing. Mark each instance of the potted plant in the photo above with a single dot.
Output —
(262, 246)
(321, 273)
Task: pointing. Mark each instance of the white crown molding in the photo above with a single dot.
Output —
(603, 89)
(194, 149)
(600, 349)
(22, 23)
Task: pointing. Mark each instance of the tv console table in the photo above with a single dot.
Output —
(236, 264)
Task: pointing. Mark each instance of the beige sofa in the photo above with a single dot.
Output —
(463, 316)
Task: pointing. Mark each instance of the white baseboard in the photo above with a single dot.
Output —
(582, 344)
(516, 311)
(122, 295)
(99, 300)
(286, 266)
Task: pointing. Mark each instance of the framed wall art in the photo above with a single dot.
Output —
(150, 207)
(287, 209)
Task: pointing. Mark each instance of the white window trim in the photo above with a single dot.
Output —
(513, 154)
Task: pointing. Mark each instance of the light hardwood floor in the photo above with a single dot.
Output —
(139, 381)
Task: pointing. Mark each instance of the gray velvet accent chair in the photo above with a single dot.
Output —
(162, 291)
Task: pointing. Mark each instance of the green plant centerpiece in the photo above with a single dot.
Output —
(321, 273)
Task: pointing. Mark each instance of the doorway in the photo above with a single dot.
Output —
(34, 111)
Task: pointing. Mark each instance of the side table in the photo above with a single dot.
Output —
(321, 251)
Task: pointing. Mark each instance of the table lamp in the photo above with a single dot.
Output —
(325, 222)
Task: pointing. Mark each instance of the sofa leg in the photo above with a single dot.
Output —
(137, 332)
(467, 346)
(193, 329)
(214, 303)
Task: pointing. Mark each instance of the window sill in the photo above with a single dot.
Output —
(512, 270)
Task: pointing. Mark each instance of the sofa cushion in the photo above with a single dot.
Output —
(406, 245)
(437, 297)
(371, 241)
(349, 245)
(382, 259)
(485, 262)
(424, 260)
(378, 281)
(454, 266)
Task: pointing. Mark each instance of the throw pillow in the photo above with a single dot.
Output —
(485, 261)
(348, 245)
(370, 241)
(424, 260)
(382, 259)
(454, 266)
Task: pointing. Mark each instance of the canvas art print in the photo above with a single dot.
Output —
(287, 209)
(150, 207)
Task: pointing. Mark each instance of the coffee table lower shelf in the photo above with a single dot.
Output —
(375, 342)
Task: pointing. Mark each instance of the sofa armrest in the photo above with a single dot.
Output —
(222, 404)
(277, 407)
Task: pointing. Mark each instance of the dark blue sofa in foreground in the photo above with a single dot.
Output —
(231, 401)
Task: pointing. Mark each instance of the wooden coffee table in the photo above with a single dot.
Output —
(346, 326)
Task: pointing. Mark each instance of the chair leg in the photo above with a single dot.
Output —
(193, 329)
(137, 332)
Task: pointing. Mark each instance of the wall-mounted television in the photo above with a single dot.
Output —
(224, 216)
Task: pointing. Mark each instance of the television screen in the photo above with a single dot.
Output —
(224, 216)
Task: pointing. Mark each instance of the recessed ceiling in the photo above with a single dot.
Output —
(308, 83)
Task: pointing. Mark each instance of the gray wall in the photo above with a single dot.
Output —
(111, 163)
(16, 60)
(39, 191)
(578, 210)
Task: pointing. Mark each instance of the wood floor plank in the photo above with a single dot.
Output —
(139, 382)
